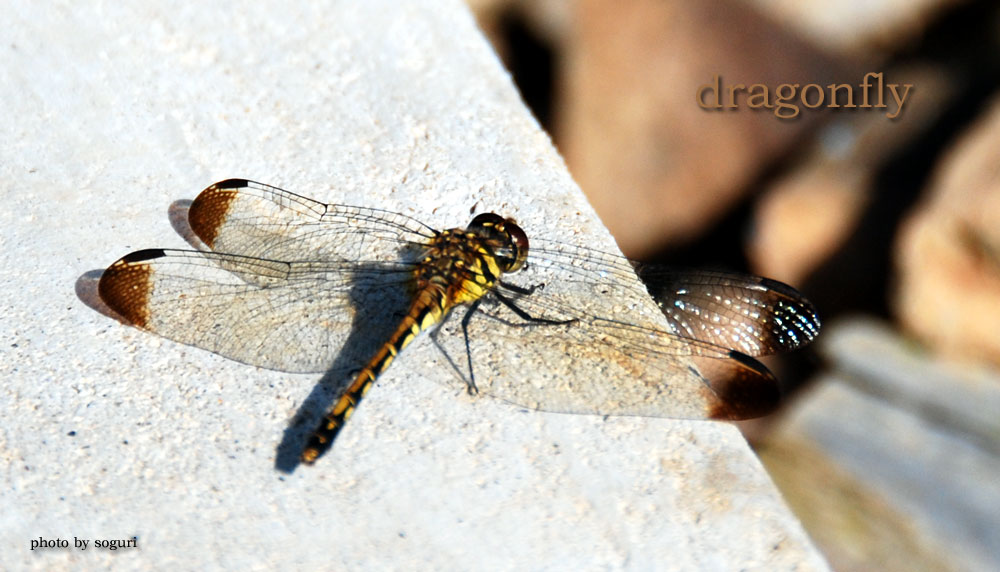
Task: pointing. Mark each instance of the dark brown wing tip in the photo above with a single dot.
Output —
(208, 211)
(749, 390)
(125, 286)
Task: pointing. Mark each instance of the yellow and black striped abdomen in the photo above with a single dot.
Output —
(426, 311)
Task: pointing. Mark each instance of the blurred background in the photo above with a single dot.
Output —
(888, 447)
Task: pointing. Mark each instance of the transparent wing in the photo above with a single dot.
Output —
(243, 217)
(757, 316)
(615, 353)
(287, 316)
(289, 281)
(750, 314)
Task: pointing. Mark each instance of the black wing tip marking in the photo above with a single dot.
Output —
(780, 287)
(746, 392)
(231, 184)
(142, 255)
(793, 297)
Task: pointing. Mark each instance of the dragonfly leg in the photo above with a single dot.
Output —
(521, 289)
(471, 382)
(526, 316)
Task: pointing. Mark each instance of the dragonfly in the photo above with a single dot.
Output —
(282, 281)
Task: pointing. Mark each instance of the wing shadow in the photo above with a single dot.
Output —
(178, 214)
(86, 292)
(380, 305)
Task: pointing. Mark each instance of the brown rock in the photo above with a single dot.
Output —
(948, 252)
(867, 29)
(655, 165)
(804, 218)
(808, 215)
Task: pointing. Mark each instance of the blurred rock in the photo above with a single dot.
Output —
(948, 252)
(808, 214)
(801, 221)
(861, 29)
(655, 165)
(548, 19)
(891, 459)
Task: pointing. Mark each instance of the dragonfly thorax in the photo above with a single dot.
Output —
(465, 264)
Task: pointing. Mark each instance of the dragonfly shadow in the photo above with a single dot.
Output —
(178, 214)
(381, 301)
(86, 292)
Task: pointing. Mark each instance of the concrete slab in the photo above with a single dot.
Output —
(114, 111)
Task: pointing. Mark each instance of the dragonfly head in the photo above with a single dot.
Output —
(511, 244)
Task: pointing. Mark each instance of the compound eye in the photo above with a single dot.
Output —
(485, 220)
(506, 230)
(519, 240)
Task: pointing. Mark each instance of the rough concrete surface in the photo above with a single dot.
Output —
(112, 112)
